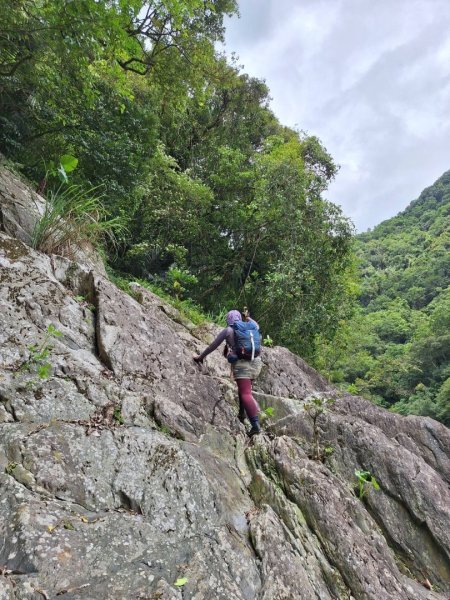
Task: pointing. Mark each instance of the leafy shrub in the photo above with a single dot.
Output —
(178, 281)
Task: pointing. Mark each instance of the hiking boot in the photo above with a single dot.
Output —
(255, 430)
(241, 417)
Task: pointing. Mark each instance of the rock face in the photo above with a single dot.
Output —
(125, 474)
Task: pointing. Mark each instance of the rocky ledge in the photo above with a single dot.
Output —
(125, 474)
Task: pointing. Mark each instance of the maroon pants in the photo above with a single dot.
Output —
(246, 399)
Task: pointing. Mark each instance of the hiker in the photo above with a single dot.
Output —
(245, 362)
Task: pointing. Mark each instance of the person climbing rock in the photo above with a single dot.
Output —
(242, 340)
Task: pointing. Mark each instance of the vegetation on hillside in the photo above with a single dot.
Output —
(216, 200)
(396, 348)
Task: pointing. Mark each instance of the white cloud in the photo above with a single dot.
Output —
(369, 78)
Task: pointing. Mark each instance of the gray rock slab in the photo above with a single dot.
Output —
(348, 535)
(123, 467)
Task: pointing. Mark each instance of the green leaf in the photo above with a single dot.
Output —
(68, 162)
(53, 331)
(62, 174)
(362, 475)
(181, 581)
(268, 341)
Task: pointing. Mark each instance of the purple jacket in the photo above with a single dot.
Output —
(226, 334)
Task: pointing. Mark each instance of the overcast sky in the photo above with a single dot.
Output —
(370, 78)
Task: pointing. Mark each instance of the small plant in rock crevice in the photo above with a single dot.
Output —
(365, 480)
(269, 412)
(268, 341)
(38, 360)
(314, 408)
(164, 429)
(82, 300)
(266, 416)
(117, 415)
(10, 468)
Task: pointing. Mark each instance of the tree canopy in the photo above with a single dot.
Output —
(217, 198)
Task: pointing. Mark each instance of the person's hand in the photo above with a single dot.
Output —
(198, 360)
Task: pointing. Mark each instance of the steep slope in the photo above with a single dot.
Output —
(410, 252)
(396, 350)
(125, 471)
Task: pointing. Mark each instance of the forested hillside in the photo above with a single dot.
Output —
(176, 156)
(396, 349)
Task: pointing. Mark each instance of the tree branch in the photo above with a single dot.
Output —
(126, 65)
(31, 138)
(16, 66)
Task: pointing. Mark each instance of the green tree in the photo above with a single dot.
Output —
(443, 402)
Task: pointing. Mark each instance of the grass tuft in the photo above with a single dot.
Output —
(73, 216)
